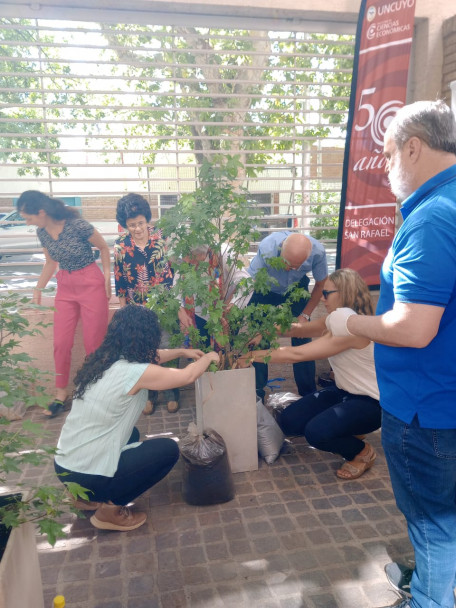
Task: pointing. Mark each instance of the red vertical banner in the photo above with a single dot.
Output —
(379, 87)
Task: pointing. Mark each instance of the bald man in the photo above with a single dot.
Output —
(302, 255)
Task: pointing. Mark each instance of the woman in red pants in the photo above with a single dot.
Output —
(83, 291)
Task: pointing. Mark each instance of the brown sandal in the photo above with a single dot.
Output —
(355, 468)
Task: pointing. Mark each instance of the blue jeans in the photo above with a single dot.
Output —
(330, 418)
(422, 466)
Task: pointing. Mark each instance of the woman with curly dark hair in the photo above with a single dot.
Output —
(98, 446)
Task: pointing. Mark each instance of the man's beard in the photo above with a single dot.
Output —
(399, 183)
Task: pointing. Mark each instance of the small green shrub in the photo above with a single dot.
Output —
(21, 442)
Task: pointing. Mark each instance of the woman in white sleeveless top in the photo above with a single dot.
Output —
(335, 418)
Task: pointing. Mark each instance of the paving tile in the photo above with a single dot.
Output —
(205, 596)
(76, 572)
(341, 501)
(266, 544)
(217, 551)
(307, 522)
(107, 568)
(196, 575)
(104, 588)
(324, 601)
(283, 524)
(352, 515)
(192, 555)
(302, 561)
(340, 534)
(143, 602)
(234, 531)
(294, 541)
(294, 602)
(233, 597)
(230, 515)
(319, 537)
(223, 571)
(239, 546)
(75, 593)
(49, 575)
(137, 564)
(364, 531)
(209, 519)
(167, 581)
(176, 599)
(275, 509)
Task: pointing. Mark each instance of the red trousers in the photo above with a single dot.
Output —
(80, 294)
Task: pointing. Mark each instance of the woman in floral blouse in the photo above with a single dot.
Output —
(140, 263)
(139, 254)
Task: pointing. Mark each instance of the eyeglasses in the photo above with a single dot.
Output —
(133, 226)
(325, 293)
(291, 266)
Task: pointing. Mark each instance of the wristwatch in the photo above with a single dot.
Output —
(303, 314)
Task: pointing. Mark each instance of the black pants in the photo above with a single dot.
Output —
(304, 371)
(138, 470)
(171, 394)
(330, 418)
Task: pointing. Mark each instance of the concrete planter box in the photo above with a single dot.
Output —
(226, 402)
(20, 576)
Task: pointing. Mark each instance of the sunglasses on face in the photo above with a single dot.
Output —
(325, 293)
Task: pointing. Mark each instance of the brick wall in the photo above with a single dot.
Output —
(104, 207)
(331, 160)
(449, 56)
(41, 347)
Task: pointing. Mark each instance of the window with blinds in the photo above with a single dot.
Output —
(95, 110)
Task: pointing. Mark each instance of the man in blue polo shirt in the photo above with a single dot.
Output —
(301, 255)
(415, 331)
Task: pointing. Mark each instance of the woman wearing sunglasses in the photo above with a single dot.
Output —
(335, 419)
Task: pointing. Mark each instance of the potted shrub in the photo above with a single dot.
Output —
(22, 505)
(219, 215)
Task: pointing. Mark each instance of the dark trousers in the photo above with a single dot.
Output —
(171, 394)
(138, 470)
(330, 418)
(304, 371)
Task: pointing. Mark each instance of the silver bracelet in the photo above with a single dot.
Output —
(303, 314)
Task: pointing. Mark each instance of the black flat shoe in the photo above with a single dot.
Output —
(55, 408)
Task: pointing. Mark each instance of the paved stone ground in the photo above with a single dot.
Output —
(294, 536)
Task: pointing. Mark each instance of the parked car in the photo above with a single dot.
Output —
(18, 238)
